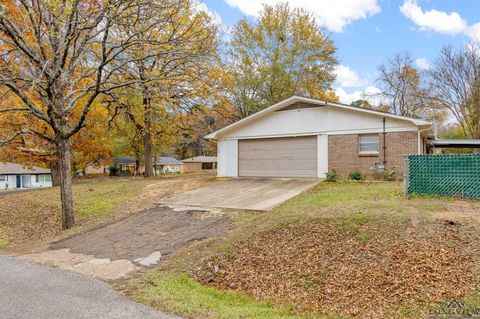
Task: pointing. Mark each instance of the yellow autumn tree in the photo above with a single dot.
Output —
(282, 53)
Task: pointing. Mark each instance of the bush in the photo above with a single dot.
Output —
(390, 175)
(356, 176)
(331, 176)
(113, 170)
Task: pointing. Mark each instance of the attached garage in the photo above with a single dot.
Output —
(278, 157)
(303, 137)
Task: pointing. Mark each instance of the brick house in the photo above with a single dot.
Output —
(304, 137)
(200, 163)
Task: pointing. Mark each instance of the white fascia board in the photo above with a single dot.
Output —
(293, 99)
(249, 118)
(339, 132)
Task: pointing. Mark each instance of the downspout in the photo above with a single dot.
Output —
(419, 138)
(384, 142)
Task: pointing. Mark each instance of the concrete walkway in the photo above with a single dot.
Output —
(30, 291)
(244, 193)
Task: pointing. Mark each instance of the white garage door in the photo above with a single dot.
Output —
(278, 157)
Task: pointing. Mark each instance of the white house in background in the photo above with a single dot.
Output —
(15, 176)
(165, 165)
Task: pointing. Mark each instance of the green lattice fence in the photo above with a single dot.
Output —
(456, 175)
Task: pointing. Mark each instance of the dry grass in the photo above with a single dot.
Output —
(335, 251)
(368, 271)
(34, 216)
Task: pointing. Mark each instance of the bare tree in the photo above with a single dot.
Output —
(402, 87)
(56, 58)
(455, 79)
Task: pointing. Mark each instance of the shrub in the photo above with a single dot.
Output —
(331, 176)
(356, 176)
(390, 175)
(113, 170)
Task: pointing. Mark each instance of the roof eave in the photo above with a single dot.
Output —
(292, 99)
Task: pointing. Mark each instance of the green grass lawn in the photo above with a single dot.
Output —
(364, 210)
(180, 294)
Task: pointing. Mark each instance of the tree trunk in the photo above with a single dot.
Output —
(55, 170)
(66, 192)
(147, 140)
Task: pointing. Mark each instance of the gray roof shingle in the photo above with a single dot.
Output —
(201, 159)
(168, 161)
(12, 168)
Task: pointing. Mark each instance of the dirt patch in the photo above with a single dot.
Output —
(463, 210)
(327, 266)
(166, 187)
(160, 229)
(33, 217)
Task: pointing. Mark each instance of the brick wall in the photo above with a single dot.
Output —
(343, 153)
(192, 167)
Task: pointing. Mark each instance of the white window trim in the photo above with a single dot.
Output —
(377, 152)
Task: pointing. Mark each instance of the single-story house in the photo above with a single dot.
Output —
(199, 163)
(305, 137)
(126, 164)
(14, 176)
(97, 170)
(165, 165)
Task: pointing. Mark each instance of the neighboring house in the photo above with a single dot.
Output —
(199, 163)
(304, 137)
(165, 165)
(14, 176)
(126, 164)
(97, 170)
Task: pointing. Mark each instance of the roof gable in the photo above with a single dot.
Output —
(296, 102)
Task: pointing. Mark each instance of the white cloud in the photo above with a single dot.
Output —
(439, 21)
(474, 32)
(216, 18)
(369, 93)
(422, 63)
(347, 77)
(433, 20)
(334, 14)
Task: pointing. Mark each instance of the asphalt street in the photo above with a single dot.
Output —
(31, 291)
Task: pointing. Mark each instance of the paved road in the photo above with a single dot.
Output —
(30, 291)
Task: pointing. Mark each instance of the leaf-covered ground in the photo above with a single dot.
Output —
(339, 250)
(370, 267)
(34, 216)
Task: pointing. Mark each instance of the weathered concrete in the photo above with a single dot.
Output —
(244, 193)
(105, 268)
(161, 231)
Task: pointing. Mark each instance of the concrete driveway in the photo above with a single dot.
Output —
(244, 193)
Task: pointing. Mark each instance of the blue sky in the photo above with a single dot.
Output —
(368, 32)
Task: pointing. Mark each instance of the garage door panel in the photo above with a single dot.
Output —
(278, 157)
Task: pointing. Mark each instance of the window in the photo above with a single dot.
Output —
(3, 178)
(44, 178)
(368, 144)
(207, 165)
